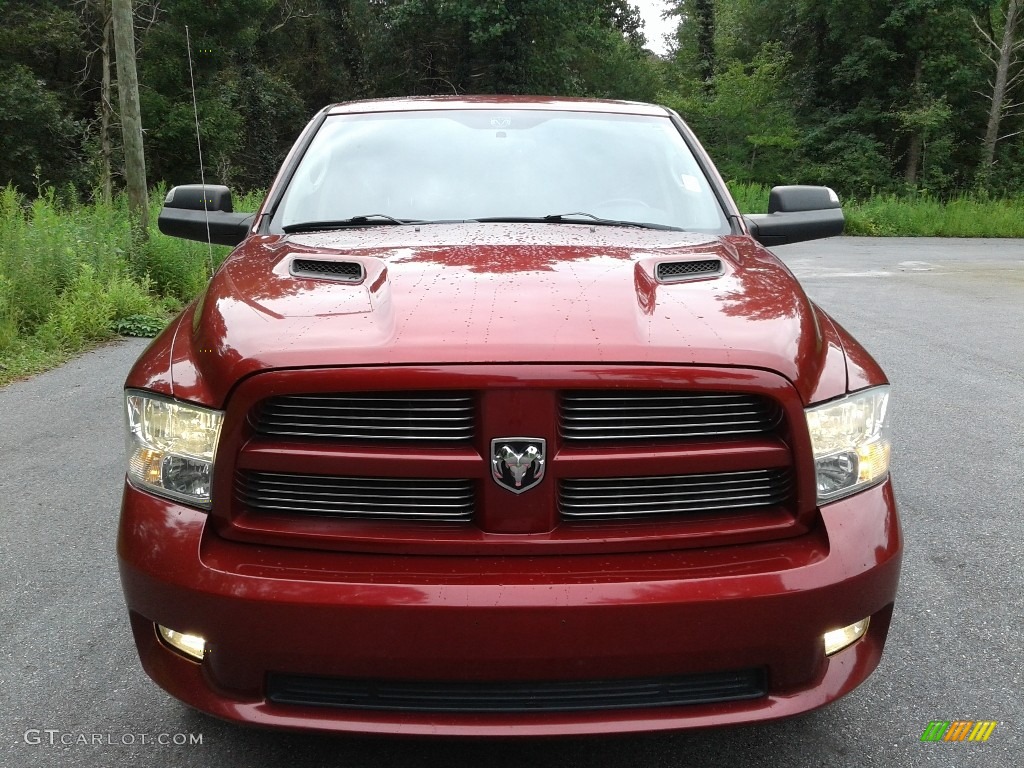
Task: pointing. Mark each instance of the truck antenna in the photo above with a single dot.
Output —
(199, 144)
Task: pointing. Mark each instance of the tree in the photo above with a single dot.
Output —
(696, 36)
(704, 16)
(258, 69)
(98, 27)
(36, 135)
(871, 95)
(131, 115)
(502, 46)
(106, 105)
(41, 114)
(880, 90)
(625, 17)
(1003, 52)
(748, 121)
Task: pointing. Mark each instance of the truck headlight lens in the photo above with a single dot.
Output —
(171, 446)
(851, 443)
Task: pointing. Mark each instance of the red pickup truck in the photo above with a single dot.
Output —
(500, 420)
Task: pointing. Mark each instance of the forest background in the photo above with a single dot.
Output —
(911, 109)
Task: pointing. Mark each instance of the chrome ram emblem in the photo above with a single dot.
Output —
(517, 463)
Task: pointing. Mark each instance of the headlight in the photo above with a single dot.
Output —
(171, 446)
(850, 438)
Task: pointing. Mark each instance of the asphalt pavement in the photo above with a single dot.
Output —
(944, 318)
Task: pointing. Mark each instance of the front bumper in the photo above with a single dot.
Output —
(274, 610)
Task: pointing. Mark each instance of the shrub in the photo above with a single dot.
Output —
(82, 315)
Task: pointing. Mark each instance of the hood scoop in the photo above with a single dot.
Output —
(678, 271)
(327, 269)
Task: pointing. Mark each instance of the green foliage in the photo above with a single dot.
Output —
(855, 163)
(145, 326)
(750, 198)
(927, 216)
(36, 134)
(177, 268)
(869, 96)
(607, 66)
(79, 316)
(561, 47)
(248, 113)
(8, 326)
(70, 277)
(747, 120)
(270, 112)
(171, 150)
(260, 69)
(699, 40)
(41, 112)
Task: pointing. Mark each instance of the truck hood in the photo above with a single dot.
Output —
(504, 293)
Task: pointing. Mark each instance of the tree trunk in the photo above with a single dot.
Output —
(999, 89)
(913, 159)
(917, 137)
(106, 108)
(131, 115)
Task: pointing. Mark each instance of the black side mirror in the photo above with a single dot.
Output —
(203, 213)
(196, 197)
(796, 214)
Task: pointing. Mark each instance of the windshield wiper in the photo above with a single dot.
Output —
(367, 219)
(571, 218)
(382, 219)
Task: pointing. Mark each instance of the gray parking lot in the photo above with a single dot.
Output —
(944, 318)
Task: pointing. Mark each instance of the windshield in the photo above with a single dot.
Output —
(499, 164)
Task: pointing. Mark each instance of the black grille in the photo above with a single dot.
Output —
(643, 415)
(358, 497)
(670, 271)
(337, 270)
(516, 697)
(377, 417)
(629, 497)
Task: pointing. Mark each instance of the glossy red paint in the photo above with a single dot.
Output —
(485, 618)
(515, 314)
(494, 294)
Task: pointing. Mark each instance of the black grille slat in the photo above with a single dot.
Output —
(627, 497)
(657, 415)
(424, 417)
(672, 271)
(362, 497)
(554, 696)
(348, 271)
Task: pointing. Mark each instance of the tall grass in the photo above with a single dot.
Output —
(750, 198)
(72, 275)
(925, 216)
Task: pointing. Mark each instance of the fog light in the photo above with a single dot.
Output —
(838, 639)
(192, 646)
